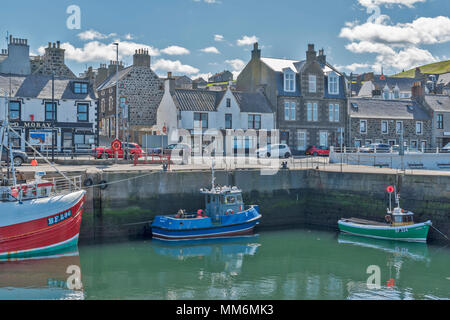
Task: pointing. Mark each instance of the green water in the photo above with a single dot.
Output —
(294, 264)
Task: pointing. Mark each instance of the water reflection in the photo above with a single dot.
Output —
(41, 277)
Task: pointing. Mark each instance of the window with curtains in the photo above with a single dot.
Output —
(254, 121)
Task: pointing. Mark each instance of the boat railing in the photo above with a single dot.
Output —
(40, 188)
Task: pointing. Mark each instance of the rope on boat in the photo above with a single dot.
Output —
(117, 181)
(440, 232)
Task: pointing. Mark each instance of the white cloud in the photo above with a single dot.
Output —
(405, 59)
(210, 50)
(353, 67)
(407, 3)
(246, 40)
(175, 50)
(218, 37)
(236, 64)
(129, 36)
(93, 35)
(97, 51)
(174, 66)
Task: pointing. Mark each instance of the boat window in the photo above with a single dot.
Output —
(239, 198)
(230, 200)
(397, 218)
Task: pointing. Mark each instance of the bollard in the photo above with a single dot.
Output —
(135, 158)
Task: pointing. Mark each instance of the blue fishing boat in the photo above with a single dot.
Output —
(224, 215)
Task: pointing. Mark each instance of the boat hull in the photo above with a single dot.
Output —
(166, 228)
(414, 233)
(57, 229)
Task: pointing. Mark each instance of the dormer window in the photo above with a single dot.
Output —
(80, 87)
(289, 81)
(333, 83)
(386, 93)
(396, 92)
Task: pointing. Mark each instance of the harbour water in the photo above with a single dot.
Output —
(285, 264)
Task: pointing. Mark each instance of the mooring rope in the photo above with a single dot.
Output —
(440, 232)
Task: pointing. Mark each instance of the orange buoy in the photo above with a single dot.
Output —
(34, 163)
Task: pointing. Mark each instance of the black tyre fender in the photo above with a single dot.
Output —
(88, 182)
(103, 184)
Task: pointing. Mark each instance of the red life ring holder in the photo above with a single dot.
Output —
(116, 145)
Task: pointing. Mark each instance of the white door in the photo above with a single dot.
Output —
(324, 139)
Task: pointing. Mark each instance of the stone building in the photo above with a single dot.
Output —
(389, 121)
(140, 90)
(52, 62)
(309, 97)
(224, 76)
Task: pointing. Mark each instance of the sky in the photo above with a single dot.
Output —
(202, 37)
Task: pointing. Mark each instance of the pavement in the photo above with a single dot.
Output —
(296, 163)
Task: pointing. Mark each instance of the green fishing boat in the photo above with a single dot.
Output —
(398, 225)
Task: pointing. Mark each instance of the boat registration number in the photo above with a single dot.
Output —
(401, 230)
(59, 218)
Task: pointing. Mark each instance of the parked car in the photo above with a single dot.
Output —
(179, 152)
(107, 152)
(275, 151)
(318, 151)
(446, 148)
(376, 148)
(19, 157)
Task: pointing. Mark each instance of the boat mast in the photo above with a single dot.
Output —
(212, 175)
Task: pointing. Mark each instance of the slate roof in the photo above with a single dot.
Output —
(111, 80)
(444, 79)
(197, 100)
(252, 102)
(387, 109)
(40, 86)
(438, 102)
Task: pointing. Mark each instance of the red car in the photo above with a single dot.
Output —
(107, 152)
(318, 151)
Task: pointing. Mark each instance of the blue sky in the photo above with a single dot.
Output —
(199, 37)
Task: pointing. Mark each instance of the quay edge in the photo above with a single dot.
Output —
(288, 198)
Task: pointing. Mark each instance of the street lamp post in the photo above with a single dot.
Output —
(53, 117)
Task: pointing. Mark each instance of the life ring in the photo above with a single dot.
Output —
(229, 211)
(116, 145)
(103, 184)
(88, 182)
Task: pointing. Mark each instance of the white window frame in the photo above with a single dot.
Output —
(337, 113)
(387, 127)
(289, 110)
(333, 83)
(356, 144)
(333, 112)
(312, 83)
(309, 112)
(365, 126)
(315, 112)
(396, 127)
(289, 81)
(421, 128)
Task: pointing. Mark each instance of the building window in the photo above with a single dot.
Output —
(334, 113)
(228, 121)
(67, 140)
(228, 103)
(357, 143)
(110, 103)
(254, 121)
(399, 127)
(312, 80)
(289, 82)
(311, 112)
(50, 111)
(201, 120)
(84, 140)
(419, 125)
(301, 140)
(102, 104)
(413, 144)
(384, 127)
(122, 102)
(440, 121)
(363, 126)
(289, 110)
(14, 110)
(333, 84)
(323, 139)
(80, 87)
(83, 112)
(392, 142)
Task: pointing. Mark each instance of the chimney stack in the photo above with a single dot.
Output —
(322, 58)
(141, 58)
(311, 53)
(256, 53)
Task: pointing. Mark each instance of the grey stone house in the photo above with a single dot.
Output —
(140, 89)
(224, 76)
(309, 97)
(438, 107)
(386, 121)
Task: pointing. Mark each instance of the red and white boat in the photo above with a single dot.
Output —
(40, 216)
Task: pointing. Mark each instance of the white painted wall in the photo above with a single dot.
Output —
(167, 111)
